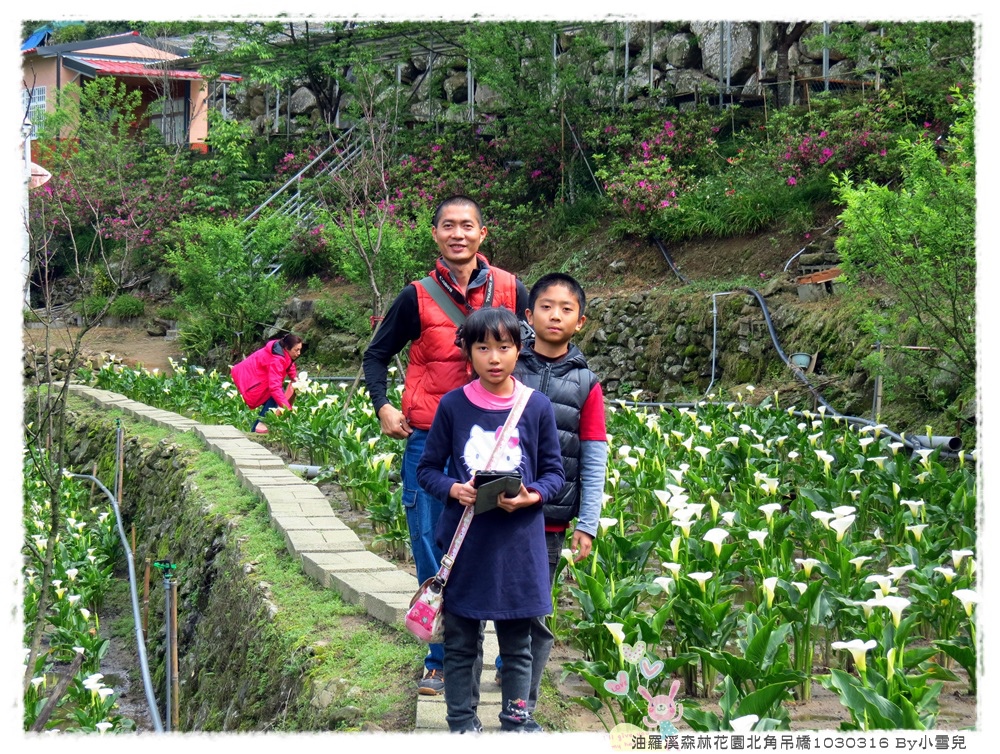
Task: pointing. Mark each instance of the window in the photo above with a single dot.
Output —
(33, 103)
(170, 121)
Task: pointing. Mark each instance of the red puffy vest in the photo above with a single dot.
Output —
(436, 364)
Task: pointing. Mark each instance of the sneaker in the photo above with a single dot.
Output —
(476, 727)
(528, 725)
(516, 718)
(260, 429)
(431, 684)
(531, 726)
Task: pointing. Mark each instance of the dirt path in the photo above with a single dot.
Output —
(132, 344)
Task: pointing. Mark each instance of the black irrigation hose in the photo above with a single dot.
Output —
(777, 347)
(797, 371)
(670, 261)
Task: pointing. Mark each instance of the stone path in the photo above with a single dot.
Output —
(329, 550)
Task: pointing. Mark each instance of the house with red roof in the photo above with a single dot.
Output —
(152, 66)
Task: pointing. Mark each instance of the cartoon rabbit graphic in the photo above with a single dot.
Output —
(663, 712)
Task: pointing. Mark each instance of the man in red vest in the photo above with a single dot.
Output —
(424, 315)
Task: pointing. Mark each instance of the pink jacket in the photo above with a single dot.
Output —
(261, 375)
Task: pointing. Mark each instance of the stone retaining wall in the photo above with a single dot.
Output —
(660, 343)
(227, 641)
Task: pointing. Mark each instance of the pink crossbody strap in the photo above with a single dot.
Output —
(521, 395)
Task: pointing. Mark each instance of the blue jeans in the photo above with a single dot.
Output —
(422, 512)
(464, 644)
(268, 405)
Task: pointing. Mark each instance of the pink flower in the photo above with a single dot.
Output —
(436, 148)
(791, 180)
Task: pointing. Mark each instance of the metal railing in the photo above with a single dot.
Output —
(302, 204)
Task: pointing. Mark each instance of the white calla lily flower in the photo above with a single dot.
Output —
(807, 565)
(769, 509)
(769, 584)
(616, 632)
(841, 525)
(701, 577)
(968, 598)
(948, 573)
(896, 572)
(674, 568)
(883, 582)
(858, 649)
(743, 724)
(716, 536)
(858, 562)
(896, 605)
(957, 556)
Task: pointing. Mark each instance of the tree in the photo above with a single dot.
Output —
(360, 199)
(919, 61)
(919, 238)
(285, 54)
(786, 35)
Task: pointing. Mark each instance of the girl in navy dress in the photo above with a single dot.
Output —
(501, 572)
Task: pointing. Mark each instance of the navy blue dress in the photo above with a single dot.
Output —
(502, 571)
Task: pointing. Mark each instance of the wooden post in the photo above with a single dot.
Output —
(121, 472)
(175, 712)
(145, 598)
(93, 484)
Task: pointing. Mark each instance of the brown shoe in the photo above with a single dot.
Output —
(431, 684)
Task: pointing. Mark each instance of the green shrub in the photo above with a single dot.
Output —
(307, 254)
(225, 283)
(127, 306)
(170, 311)
(91, 306)
(342, 314)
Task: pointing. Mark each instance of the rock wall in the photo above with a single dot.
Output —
(660, 343)
(664, 60)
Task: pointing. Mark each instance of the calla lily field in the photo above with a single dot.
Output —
(86, 550)
(748, 549)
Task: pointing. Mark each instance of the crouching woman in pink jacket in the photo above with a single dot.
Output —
(260, 377)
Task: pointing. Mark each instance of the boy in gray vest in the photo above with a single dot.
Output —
(554, 366)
